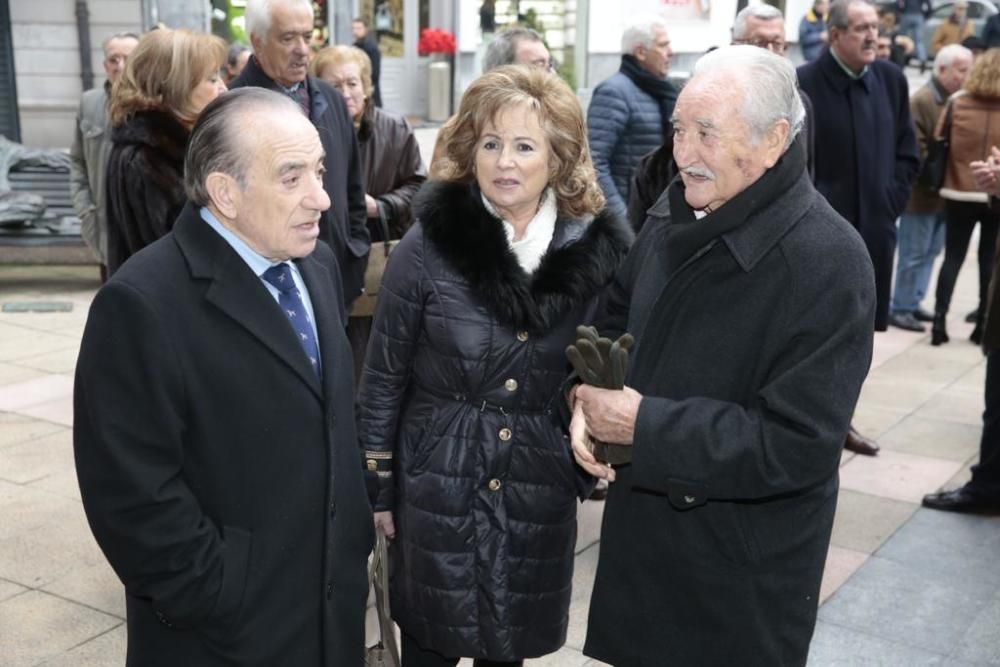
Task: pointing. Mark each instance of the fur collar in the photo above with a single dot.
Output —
(158, 130)
(580, 261)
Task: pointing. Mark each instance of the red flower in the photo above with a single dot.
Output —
(433, 40)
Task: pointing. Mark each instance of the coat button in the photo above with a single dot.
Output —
(329, 591)
(372, 464)
(510, 385)
(505, 434)
(494, 484)
(689, 499)
(522, 336)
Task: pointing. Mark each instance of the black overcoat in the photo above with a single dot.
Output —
(344, 224)
(457, 398)
(866, 155)
(221, 479)
(714, 539)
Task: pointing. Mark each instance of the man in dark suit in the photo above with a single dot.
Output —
(865, 147)
(214, 429)
(280, 31)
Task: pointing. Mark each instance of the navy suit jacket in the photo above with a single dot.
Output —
(865, 154)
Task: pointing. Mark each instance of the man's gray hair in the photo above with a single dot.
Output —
(117, 35)
(257, 15)
(217, 141)
(947, 55)
(762, 12)
(769, 84)
(641, 32)
(503, 48)
(837, 16)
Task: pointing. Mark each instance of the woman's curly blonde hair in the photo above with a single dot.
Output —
(571, 173)
(162, 72)
(984, 79)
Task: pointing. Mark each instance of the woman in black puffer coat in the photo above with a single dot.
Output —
(462, 376)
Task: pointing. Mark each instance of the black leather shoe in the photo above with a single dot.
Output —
(961, 500)
(939, 332)
(921, 315)
(972, 316)
(906, 321)
(859, 444)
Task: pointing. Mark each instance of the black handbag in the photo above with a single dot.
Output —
(936, 163)
(385, 653)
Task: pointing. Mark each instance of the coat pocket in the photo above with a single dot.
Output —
(235, 568)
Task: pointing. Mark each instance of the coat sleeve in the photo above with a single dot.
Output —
(358, 238)
(907, 162)
(607, 121)
(410, 175)
(790, 434)
(810, 34)
(129, 461)
(79, 183)
(388, 363)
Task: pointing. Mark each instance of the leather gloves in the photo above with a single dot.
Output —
(603, 363)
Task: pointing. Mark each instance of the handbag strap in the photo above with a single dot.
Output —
(378, 576)
(383, 224)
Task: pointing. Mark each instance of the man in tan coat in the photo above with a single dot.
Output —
(921, 226)
(956, 28)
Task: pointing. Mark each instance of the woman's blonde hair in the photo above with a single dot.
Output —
(162, 71)
(333, 56)
(571, 173)
(984, 79)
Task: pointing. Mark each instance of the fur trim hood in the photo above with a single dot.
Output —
(156, 130)
(580, 261)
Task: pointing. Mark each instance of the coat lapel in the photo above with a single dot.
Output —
(237, 292)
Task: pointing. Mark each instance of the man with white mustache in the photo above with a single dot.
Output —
(751, 302)
(280, 31)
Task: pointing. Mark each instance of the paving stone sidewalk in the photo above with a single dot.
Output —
(903, 586)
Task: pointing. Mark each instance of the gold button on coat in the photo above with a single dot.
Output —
(494, 484)
(510, 385)
(505, 434)
(522, 336)
(372, 464)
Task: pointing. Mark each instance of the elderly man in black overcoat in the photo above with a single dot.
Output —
(214, 418)
(866, 148)
(751, 301)
(280, 31)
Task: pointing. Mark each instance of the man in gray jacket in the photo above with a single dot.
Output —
(91, 146)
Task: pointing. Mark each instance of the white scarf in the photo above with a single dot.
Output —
(537, 235)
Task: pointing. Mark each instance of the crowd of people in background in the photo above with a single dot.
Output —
(245, 422)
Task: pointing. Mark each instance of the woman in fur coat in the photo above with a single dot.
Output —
(459, 392)
(170, 77)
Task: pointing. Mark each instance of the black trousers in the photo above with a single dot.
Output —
(961, 219)
(413, 655)
(986, 474)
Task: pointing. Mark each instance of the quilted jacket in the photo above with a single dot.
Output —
(456, 409)
(623, 124)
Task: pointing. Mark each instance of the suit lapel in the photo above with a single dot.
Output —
(237, 292)
(329, 325)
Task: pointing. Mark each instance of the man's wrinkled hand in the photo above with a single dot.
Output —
(610, 414)
(580, 441)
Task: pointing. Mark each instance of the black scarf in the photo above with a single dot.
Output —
(685, 235)
(660, 90)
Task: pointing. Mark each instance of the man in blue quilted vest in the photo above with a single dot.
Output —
(629, 113)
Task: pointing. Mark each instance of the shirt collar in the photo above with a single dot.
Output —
(257, 262)
(847, 70)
